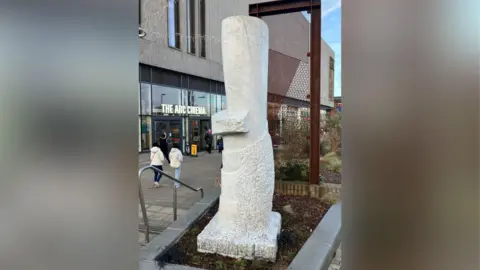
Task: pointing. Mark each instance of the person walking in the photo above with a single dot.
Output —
(156, 160)
(208, 140)
(164, 146)
(176, 161)
(218, 178)
(220, 145)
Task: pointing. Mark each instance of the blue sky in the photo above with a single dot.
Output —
(331, 33)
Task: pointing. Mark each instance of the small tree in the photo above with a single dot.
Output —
(291, 160)
(333, 128)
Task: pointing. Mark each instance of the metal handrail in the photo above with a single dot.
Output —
(142, 200)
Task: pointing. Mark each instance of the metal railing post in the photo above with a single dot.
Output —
(174, 203)
(144, 213)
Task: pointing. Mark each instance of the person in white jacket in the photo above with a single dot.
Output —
(156, 160)
(176, 160)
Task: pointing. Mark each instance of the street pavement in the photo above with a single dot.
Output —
(196, 171)
(337, 260)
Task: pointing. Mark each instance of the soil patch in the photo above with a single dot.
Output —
(296, 228)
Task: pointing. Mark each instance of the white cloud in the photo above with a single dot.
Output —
(328, 6)
(327, 10)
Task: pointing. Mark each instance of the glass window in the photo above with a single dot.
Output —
(202, 28)
(139, 12)
(173, 24)
(186, 96)
(200, 99)
(145, 99)
(145, 132)
(219, 103)
(191, 25)
(224, 102)
(213, 102)
(162, 97)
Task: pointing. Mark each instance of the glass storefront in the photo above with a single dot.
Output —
(199, 129)
(224, 102)
(163, 98)
(213, 104)
(174, 104)
(145, 133)
(145, 99)
(218, 103)
(200, 99)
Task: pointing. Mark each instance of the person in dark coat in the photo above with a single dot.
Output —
(164, 146)
(220, 145)
(209, 140)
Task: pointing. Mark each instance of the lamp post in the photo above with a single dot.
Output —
(161, 100)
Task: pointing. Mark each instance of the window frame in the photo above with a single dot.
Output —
(178, 92)
(191, 8)
(139, 12)
(176, 24)
(202, 25)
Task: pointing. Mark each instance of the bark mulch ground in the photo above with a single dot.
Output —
(328, 176)
(296, 228)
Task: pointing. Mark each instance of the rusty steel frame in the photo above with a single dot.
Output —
(282, 7)
(314, 8)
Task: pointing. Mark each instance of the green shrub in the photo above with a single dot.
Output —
(335, 166)
(330, 155)
(333, 127)
(293, 171)
(240, 263)
(220, 265)
(325, 147)
(333, 162)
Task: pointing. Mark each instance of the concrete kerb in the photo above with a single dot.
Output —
(317, 253)
(162, 242)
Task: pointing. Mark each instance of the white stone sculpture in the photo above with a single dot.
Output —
(244, 226)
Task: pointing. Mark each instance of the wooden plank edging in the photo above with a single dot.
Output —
(294, 188)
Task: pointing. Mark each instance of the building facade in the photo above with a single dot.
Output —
(181, 74)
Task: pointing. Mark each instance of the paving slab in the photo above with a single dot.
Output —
(337, 260)
(197, 172)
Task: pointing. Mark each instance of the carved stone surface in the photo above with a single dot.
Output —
(244, 226)
(229, 123)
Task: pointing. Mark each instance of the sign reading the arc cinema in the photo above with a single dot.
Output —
(180, 109)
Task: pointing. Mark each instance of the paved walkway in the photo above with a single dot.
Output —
(337, 260)
(197, 172)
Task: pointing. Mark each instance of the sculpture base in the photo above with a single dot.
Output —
(252, 245)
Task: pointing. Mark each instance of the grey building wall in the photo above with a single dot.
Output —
(289, 35)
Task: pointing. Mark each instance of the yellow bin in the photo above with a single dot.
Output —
(194, 150)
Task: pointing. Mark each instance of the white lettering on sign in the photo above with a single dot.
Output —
(180, 109)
